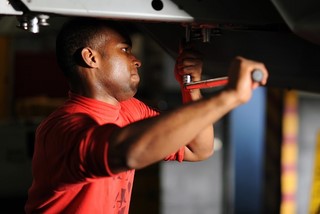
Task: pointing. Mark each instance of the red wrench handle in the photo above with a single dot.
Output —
(256, 75)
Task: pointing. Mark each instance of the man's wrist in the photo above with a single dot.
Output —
(191, 95)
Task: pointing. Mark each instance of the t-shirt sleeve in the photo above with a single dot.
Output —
(86, 147)
(177, 156)
(98, 163)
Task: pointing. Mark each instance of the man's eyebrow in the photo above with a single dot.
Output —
(127, 42)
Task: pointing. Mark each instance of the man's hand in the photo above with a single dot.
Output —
(240, 78)
(189, 62)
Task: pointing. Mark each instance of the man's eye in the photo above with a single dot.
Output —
(125, 49)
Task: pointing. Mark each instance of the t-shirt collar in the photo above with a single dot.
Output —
(100, 108)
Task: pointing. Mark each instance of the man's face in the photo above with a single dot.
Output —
(118, 73)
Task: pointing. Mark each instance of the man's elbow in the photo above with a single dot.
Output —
(206, 154)
(199, 155)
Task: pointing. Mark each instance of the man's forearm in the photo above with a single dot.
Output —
(148, 141)
(201, 147)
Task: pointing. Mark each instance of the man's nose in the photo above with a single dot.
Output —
(137, 63)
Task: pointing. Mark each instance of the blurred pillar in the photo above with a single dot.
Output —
(247, 138)
(315, 186)
(272, 185)
(289, 153)
(5, 86)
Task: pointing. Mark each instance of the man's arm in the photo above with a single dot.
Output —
(148, 141)
(202, 146)
(189, 62)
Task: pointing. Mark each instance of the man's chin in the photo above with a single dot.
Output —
(135, 86)
(130, 93)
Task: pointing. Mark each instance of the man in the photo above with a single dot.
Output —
(87, 150)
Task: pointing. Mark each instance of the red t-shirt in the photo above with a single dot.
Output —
(70, 167)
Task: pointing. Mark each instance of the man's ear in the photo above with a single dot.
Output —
(89, 57)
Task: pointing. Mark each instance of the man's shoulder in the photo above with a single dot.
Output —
(132, 100)
(138, 107)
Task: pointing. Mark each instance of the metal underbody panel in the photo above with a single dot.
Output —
(284, 35)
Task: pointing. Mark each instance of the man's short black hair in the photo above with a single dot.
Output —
(77, 34)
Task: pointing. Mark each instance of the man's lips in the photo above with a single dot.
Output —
(135, 75)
